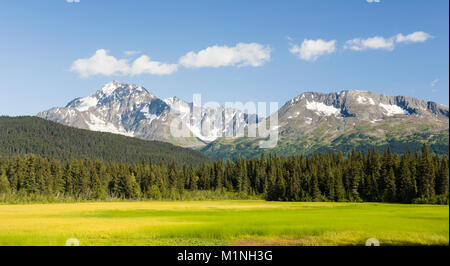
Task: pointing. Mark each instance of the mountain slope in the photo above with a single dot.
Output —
(21, 135)
(317, 122)
(133, 111)
(311, 122)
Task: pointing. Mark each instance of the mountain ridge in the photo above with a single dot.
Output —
(319, 122)
(310, 122)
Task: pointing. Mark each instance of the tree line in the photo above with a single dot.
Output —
(374, 177)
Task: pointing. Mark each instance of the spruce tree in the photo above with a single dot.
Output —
(4, 184)
(426, 175)
(406, 189)
(389, 194)
(98, 191)
(442, 178)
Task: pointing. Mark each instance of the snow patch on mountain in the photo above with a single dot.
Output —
(97, 124)
(375, 121)
(393, 109)
(86, 103)
(364, 100)
(109, 88)
(321, 108)
(178, 106)
(294, 116)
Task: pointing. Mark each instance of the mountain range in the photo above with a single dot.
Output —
(311, 122)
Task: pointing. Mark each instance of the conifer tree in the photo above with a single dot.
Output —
(406, 189)
(316, 194)
(4, 184)
(98, 191)
(442, 178)
(389, 194)
(426, 174)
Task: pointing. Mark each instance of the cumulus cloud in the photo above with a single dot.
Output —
(418, 36)
(376, 42)
(311, 50)
(144, 65)
(373, 1)
(381, 43)
(101, 63)
(243, 54)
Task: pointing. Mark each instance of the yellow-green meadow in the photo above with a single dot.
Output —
(248, 222)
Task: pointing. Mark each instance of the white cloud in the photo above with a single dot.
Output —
(144, 65)
(381, 43)
(103, 64)
(310, 50)
(376, 42)
(73, 1)
(373, 1)
(434, 82)
(418, 36)
(243, 54)
(100, 64)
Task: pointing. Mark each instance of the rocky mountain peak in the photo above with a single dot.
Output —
(120, 89)
(113, 94)
(129, 109)
(363, 105)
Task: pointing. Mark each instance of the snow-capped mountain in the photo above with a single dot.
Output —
(355, 108)
(319, 122)
(308, 123)
(133, 111)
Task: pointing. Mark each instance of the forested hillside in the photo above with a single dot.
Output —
(310, 144)
(419, 178)
(24, 135)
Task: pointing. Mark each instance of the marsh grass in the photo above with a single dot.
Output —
(185, 195)
(248, 222)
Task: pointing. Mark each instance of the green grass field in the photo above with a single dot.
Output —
(223, 223)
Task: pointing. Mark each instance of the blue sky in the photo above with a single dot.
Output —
(230, 50)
